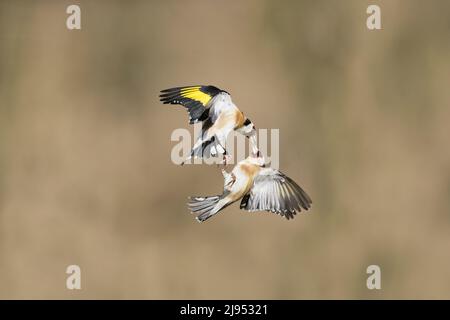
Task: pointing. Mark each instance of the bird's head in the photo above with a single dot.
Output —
(248, 128)
(249, 131)
(257, 158)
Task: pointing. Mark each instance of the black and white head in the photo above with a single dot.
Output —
(248, 128)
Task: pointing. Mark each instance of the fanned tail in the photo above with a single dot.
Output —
(205, 207)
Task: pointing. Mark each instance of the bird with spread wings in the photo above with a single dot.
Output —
(259, 189)
(218, 114)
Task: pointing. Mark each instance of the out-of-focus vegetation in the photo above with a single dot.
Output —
(85, 170)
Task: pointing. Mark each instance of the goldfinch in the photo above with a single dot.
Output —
(218, 114)
(260, 189)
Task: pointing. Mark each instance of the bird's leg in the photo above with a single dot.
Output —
(229, 179)
(225, 159)
(221, 150)
(225, 174)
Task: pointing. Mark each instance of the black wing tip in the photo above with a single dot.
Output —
(174, 89)
(167, 100)
(170, 90)
(305, 200)
(210, 89)
(168, 96)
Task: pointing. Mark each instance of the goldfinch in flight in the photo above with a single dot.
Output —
(218, 114)
(260, 188)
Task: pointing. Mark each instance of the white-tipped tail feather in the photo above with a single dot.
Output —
(205, 207)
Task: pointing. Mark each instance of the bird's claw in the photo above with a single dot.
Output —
(226, 159)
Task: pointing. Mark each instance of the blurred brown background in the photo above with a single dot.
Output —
(85, 170)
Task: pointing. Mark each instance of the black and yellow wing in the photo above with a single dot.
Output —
(196, 99)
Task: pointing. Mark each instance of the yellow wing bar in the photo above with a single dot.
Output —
(194, 98)
(194, 93)
(189, 95)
